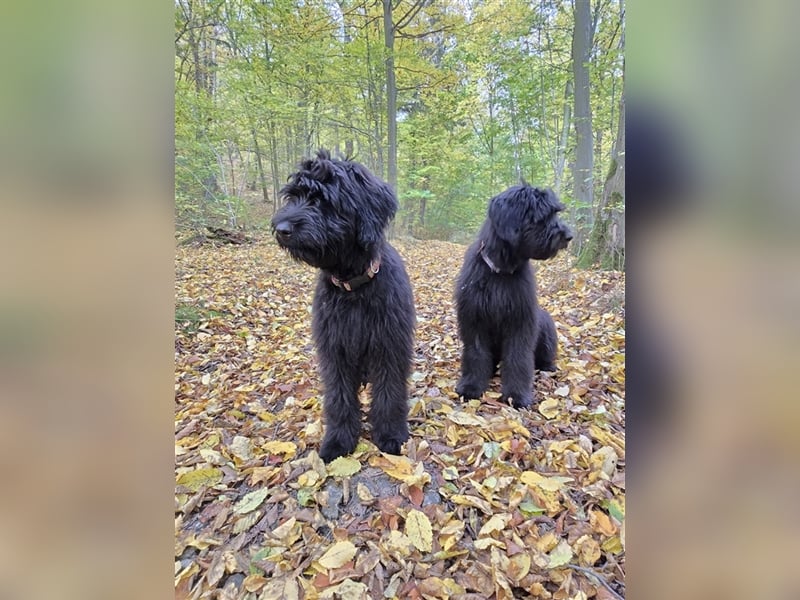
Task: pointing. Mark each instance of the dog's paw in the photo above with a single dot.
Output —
(390, 446)
(546, 367)
(521, 400)
(469, 391)
(332, 449)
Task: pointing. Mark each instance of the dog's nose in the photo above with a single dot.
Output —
(283, 228)
(567, 233)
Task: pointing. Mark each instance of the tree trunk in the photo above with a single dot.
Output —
(606, 244)
(259, 163)
(391, 95)
(584, 155)
(561, 151)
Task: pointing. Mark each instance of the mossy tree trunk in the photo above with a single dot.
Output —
(605, 247)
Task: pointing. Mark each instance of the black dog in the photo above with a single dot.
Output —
(499, 319)
(363, 309)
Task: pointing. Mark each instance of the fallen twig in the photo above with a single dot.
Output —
(606, 585)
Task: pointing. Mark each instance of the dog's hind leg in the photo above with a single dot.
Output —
(516, 374)
(477, 367)
(341, 408)
(546, 342)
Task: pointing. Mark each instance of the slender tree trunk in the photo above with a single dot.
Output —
(584, 155)
(259, 163)
(391, 95)
(561, 151)
(606, 244)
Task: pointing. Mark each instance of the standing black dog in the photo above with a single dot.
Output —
(363, 309)
(499, 319)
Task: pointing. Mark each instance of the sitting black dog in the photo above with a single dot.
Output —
(363, 308)
(499, 319)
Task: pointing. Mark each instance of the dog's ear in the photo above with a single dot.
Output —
(382, 203)
(505, 214)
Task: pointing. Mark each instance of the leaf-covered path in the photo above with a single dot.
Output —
(486, 502)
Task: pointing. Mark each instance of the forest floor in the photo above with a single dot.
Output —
(486, 501)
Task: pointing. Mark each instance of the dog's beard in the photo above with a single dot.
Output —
(547, 243)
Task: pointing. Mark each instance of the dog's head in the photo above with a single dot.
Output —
(333, 208)
(526, 218)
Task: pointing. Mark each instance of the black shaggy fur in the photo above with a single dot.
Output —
(499, 320)
(334, 218)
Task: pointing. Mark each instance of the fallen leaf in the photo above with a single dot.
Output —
(337, 555)
(251, 501)
(287, 449)
(560, 555)
(494, 524)
(200, 478)
(344, 467)
(418, 530)
(549, 408)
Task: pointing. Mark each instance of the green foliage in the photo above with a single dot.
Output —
(480, 100)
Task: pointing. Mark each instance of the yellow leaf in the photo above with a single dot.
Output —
(479, 503)
(604, 461)
(241, 447)
(612, 545)
(338, 555)
(435, 587)
(347, 590)
(549, 408)
(199, 478)
(344, 467)
(251, 501)
(560, 555)
(288, 531)
(403, 469)
(253, 583)
(465, 418)
(364, 494)
(588, 550)
(601, 522)
(519, 566)
(419, 530)
(262, 474)
(484, 543)
(495, 523)
(287, 449)
(550, 484)
(398, 544)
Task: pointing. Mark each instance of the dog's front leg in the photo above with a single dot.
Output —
(341, 408)
(389, 409)
(477, 367)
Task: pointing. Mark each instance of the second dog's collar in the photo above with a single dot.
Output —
(357, 282)
(488, 260)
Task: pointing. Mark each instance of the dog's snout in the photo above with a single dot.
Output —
(283, 228)
(567, 233)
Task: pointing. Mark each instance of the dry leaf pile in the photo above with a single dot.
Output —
(486, 502)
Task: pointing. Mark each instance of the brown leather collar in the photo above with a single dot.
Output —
(357, 282)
